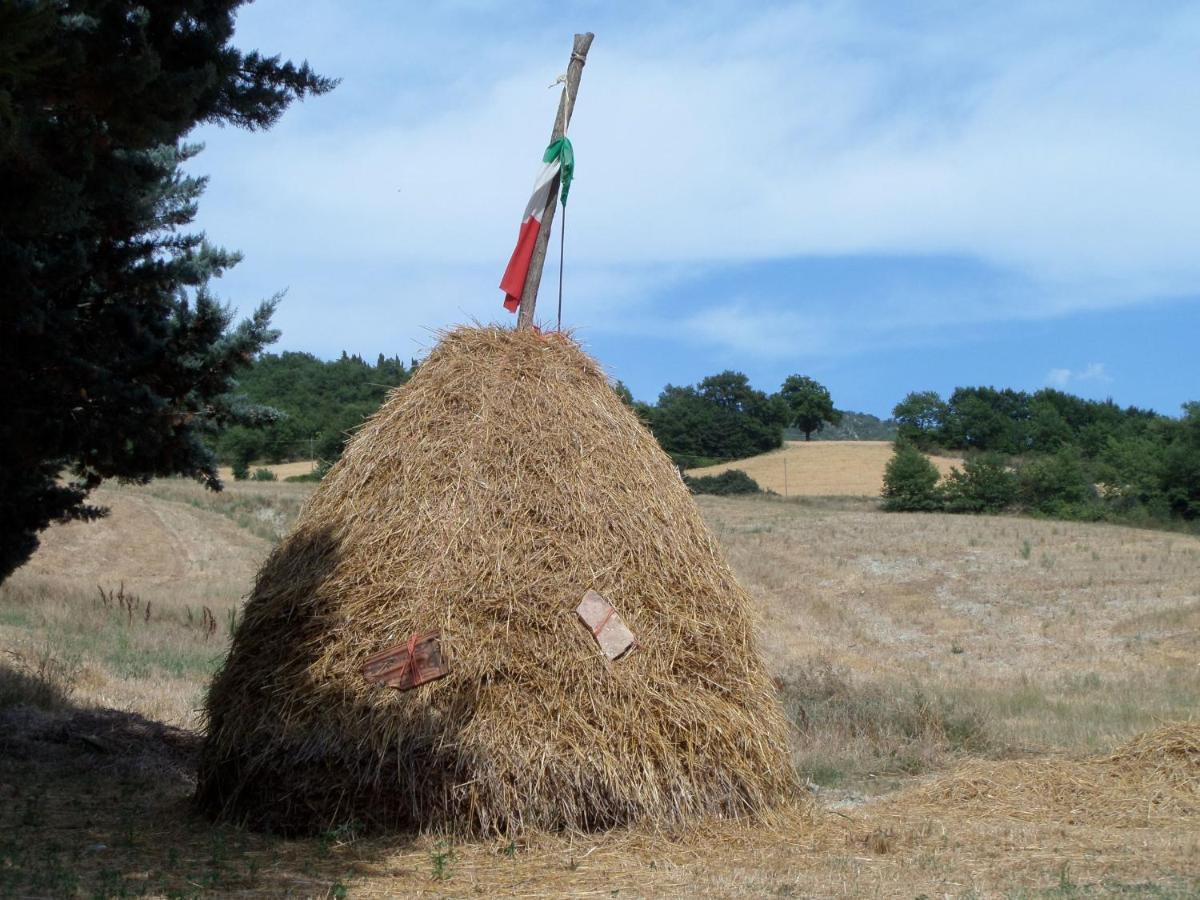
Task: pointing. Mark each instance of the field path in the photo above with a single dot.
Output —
(821, 468)
(147, 541)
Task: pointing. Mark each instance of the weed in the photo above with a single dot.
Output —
(442, 857)
(1026, 549)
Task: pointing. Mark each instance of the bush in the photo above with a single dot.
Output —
(910, 481)
(731, 481)
(985, 484)
(263, 475)
(1058, 485)
(241, 470)
(306, 478)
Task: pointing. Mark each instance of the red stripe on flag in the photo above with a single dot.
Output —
(513, 282)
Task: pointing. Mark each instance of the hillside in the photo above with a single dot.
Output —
(821, 468)
(855, 426)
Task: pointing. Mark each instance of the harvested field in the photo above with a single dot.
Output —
(822, 468)
(280, 470)
(996, 770)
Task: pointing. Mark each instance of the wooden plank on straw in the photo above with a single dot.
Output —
(606, 625)
(415, 662)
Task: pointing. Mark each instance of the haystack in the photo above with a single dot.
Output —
(483, 500)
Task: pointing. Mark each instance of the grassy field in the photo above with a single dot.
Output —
(822, 468)
(949, 677)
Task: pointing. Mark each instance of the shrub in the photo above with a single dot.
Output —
(1058, 485)
(241, 470)
(306, 478)
(985, 484)
(731, 481)
(263, 475)
(910, 481)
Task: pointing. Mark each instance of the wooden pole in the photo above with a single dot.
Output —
(566, 105)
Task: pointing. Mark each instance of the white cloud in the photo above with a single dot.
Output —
(1092, 373)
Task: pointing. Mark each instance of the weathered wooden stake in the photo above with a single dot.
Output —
(566, 106)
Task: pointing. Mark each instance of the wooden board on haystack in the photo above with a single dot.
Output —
(606, 625)
(417, 661)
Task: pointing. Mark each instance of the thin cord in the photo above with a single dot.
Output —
(562, 243)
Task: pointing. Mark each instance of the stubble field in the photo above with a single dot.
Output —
(958, 685)
(822, 468)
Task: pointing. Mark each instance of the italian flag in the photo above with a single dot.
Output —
(559, 159)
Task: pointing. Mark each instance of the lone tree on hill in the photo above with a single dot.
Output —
(810, 404)
(115, 361)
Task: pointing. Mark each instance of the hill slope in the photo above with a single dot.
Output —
(821, 468)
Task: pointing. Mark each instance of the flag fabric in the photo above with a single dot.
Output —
(558, 160)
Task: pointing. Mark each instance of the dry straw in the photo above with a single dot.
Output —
(1154, 779)
(484, 498)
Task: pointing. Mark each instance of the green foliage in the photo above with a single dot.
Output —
(116, 360)
(320, 403)
(263, 475)
(1057, 484)
(241, 469)
(919, 418)
(623, 392)
(1179, 476)
(809, 404)
(721, 418)
(731, 481)
(910, 481)
(985, 484)
(1146, 465)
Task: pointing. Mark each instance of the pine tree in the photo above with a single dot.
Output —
(115, 360)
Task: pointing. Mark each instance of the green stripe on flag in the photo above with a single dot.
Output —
(562, 150)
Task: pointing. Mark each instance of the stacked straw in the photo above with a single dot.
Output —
(484, 498)
(1152, 780)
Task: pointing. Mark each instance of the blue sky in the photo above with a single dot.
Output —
(885, 196)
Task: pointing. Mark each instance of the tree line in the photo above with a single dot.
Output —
(315, 405)
(723, 417)
(1050, 453)
(318, 404)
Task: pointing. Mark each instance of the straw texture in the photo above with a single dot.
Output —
(483, 499)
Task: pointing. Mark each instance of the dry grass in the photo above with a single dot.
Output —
(485, 497)
(1066, 636)
(822, 468)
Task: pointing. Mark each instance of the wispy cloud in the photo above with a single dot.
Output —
(1092, 373)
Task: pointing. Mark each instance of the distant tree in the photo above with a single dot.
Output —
(721, 418)
(115, 360)
(809, 404)
(320, 402)
(984, 418)
(1180, 473)
(910, 481)
(920, 417)
(623, 392)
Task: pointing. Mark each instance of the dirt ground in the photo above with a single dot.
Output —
(822, 468)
